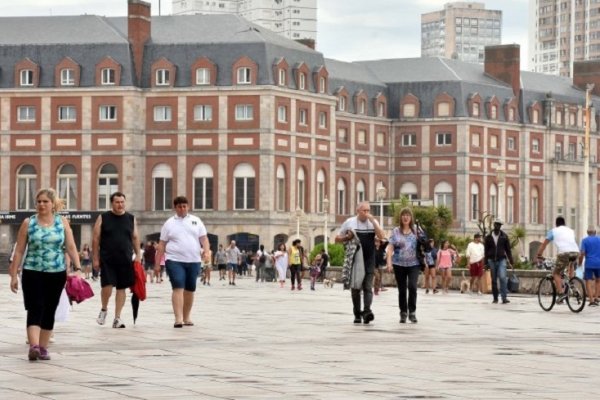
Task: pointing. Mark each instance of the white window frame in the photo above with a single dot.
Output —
(244, 178)
(494, 200)
(244, 76)
(322, 84)
(510, 143)
(282, 114)
(26, 114)
(409, 139)
(107, 113)
(302, 81)
(282, 77)
(203, 112)
(409, 110)
(474, 201)
(67, 77)
(381, 109)
(534, 202)
(301, 188)
(202, 76)
(360, 192)
(380, 139)
(362, 106)
(162, 114)
(26, 77)
(163, 77)
(342, 103)
(494, 111)
(443, 195)
(475, 139)
(341, 197)
(280, 189)
(323, 120)
(107, 184)
(302, 114)
(320, 190)
(443, 109)
(361, 137)
(162, 187)
(26, 188)
(203, 187)
(67, 114)
(244, 112)
(66, 182)
(510, 204)
(108, 76)
(343, 135)
(535, 146)
(443, 139)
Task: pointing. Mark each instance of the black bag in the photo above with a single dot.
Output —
(262, 259)
(513, 283)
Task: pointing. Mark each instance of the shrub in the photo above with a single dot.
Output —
(335, 250)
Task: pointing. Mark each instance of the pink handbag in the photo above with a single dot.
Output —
(78, 289)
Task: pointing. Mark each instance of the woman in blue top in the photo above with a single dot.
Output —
(46, 235)
(403, 254)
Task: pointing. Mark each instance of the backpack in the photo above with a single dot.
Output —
(263, 258)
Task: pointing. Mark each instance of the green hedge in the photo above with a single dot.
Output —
(336, 253)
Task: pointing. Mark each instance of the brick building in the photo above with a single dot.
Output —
(258, 130)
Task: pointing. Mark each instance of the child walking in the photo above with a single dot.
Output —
(446, 257)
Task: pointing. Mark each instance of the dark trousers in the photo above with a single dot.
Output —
(41, 292)
(367, 289)
(406, 278)
(295, 271)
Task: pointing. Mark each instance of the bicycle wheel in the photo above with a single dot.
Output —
(546, 293)
(576, 297)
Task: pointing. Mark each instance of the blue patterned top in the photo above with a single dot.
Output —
(405, 248)
(45, 246)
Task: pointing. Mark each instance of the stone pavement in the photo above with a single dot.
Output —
(261, 342)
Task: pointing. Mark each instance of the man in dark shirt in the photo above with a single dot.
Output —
(497, 254)
(324, 264)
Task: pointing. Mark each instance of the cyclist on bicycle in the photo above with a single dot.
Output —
(568, 251)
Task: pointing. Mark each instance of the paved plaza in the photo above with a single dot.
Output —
(257, 341)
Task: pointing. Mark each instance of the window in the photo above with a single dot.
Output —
(320, 190)
(282, 114)
(322, 84)
(510, 143)
(67, 186)
(322, 120)
(494, 200)
(409, 110)
(162, 77)
(362, 107)
(361, 137)
(534, 206)
(203, 187)
(26, 77)
(162, 187)
(202, 112)
(571, 155)
(108, 183)
(341, 197)
(67, 113)
(443, 139)
(535, 116)
(67, 77)
(244, 187)
(162, 113)
(511, 114)
(244, 112)
(280, 190)
(494, 141)
(108, 113)
(108, 76)
(474, 201)
(381, 109)
(26, 188)
(360, 192)
(443, 195)
(343, 135)
(380, 139)
(302, 81)
(510, 205)
(475, 139)
(558, 117)
(409, 190)
(535, 146)
(476, 109)
(301, 189)
(282, 76)
(572, 122)
(558, 153)
(243, 76)
(202, 76)
(26, 114)
(494, 112)
(409, 139)
(302, 116)
(443, 109)
(342, 103)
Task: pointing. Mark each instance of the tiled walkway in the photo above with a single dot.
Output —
(260, 342)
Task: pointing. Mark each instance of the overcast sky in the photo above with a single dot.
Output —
(348, 30)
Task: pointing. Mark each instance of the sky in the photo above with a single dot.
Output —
(347, 30)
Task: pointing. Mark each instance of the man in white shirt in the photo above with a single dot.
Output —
(475, 254)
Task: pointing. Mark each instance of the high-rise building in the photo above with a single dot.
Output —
(561, 33)
(460, 31)
(294, 19)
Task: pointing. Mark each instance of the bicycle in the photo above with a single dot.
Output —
(573, 292)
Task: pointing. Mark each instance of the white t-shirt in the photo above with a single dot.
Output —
(182, 238)
(475, 252)
(563, 238)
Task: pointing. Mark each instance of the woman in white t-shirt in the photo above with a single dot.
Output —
(281, 263)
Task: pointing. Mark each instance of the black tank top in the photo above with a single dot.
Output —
(116, 246)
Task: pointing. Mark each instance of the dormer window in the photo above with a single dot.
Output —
(494, 112)
(322, 84)
(408, 110)
(511, 114)
(202, 76)
(67, 77)
(26, 77)
(302, 81)
(342, 103)
(108, 76)
(444, 109)
(476, 109)
(162, 77)
(282, 76)
(535, 116)
(243, 76)
(362, 107)
(381, 109)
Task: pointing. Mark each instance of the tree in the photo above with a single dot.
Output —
(484, 222)
(435, 221)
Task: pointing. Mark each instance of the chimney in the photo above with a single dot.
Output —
(585, 72)
(503, 62)
(138, 32)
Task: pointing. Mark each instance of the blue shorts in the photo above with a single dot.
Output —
(183, 275)
(231, 267)
(591, 273)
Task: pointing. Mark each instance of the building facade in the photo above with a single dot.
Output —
(461, 30)
(294, 19)
(269, 139)
(562, 32)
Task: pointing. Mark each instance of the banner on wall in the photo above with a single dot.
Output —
(74, 217)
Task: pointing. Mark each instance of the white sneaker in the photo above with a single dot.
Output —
(479, 293)
(101, 317)
(117, 323)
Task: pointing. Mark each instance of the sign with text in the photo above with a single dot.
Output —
(74, 217)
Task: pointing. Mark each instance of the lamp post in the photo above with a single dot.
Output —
(326, 212)
(586, 162)
(500, 174)
(381, 193)
(298, 216)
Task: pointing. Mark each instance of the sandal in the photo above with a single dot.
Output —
(178, 325)
(188, 323)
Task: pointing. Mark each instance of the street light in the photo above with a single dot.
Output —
(500, 175)
(298, 216)
(326, 212)
(586, 161)
(381, 193)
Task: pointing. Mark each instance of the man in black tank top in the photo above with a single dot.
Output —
(115, 240)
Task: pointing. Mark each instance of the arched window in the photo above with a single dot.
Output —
(203, 187)
(474, 201)
(320, 190)
(494, 200)
(162, 187)
(301, 192)
(535, 204)
(26, 187)
(409, 190)
(443, 195)
(67, 186)
(244, 187)
(280, 188)
(341, 197)
(510, 204)
(360, 192)
(108, 183)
